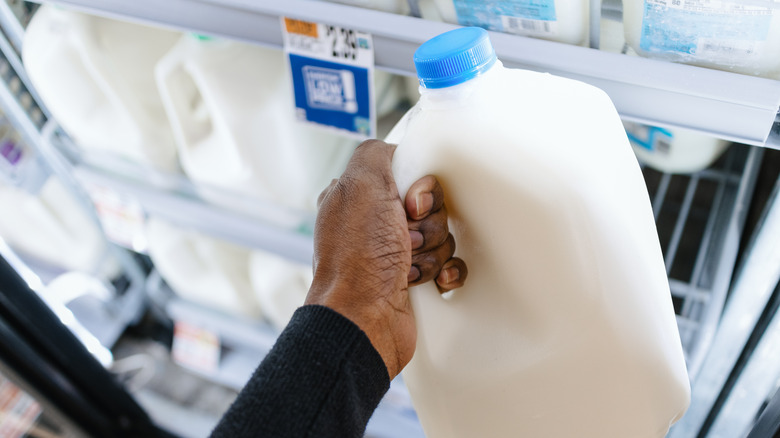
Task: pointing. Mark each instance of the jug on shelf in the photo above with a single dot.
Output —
(565, 327)
(51, 227)
(202, 269)
(96, 76)
(674, 150)
(565, 21)
(280, 285)
(726, 35)
(232, 111)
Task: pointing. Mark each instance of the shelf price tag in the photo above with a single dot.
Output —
(122, 217)
(195, 348)
(333, 75)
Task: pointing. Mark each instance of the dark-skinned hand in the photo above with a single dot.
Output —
(370, 247)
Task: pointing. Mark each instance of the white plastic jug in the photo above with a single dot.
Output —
(727, 35)
(565, 21)
(202, 269)
(565, 327)
(232, 111)
(96, 75)
(280, 285)
(51, 227)
(674, 150)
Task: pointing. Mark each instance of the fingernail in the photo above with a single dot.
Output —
(414, 274)
(448, 275)
(417, 239)
(424, 203)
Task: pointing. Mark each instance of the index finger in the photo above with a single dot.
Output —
(424, 197)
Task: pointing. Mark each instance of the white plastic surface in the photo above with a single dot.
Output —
(202, 269)
(565, 327)
(232, 111)
(51, 227)
(570, 24)
(674, 150)
(727, 35)
(96, 76)
(394, 6)
(279, 285)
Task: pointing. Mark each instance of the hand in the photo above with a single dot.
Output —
(367, 254)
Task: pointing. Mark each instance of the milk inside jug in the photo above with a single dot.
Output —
(727, 35)
(232, 110)
(565, 21)
(202, 269)
(96, 76)
(51, 227)
(565, 327)
(674, 150)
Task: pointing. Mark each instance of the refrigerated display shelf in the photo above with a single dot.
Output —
(643, 90)
(751, 292)
(700, 218)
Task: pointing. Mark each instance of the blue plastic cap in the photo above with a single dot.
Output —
(454, 57)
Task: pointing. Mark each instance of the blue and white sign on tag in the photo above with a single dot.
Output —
(333, 75)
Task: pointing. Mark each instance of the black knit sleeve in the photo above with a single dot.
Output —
(323, 378)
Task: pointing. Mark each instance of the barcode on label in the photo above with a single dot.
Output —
(722, 47)
(525, 26)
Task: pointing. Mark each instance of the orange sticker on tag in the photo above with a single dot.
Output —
(301, 27)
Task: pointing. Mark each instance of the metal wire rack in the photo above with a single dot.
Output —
(699, 217)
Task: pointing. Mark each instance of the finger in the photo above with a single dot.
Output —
(452, 275)
(375, 157)
(424, 197)
(326, 192)
(430, 232)
(428, 264)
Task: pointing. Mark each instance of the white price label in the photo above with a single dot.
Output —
(332, 72)
(195, 348)
(122, 217)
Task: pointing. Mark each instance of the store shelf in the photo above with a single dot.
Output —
(751, 291)
(643, 90)
(699, 217)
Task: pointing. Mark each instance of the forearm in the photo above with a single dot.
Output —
(323, 378)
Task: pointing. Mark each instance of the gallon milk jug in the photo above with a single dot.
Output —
(232, 110)
(565, 327)
(565, 21)
(50, 227)
(97, 77)
(727, 35)
(280, 285)
(674, 150)
(202, 269)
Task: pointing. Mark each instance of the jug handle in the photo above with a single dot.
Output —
(171, 78)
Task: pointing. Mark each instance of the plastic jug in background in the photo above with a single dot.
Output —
(280, 285)
(565, 21)
(566, 326)
(674, 150)
(96, 76)
(202, 269)
(726, 35)
(232, 110)
(51, 227)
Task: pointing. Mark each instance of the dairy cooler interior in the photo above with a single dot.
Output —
(159, 189)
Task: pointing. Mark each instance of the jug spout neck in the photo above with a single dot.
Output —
(433, 97)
